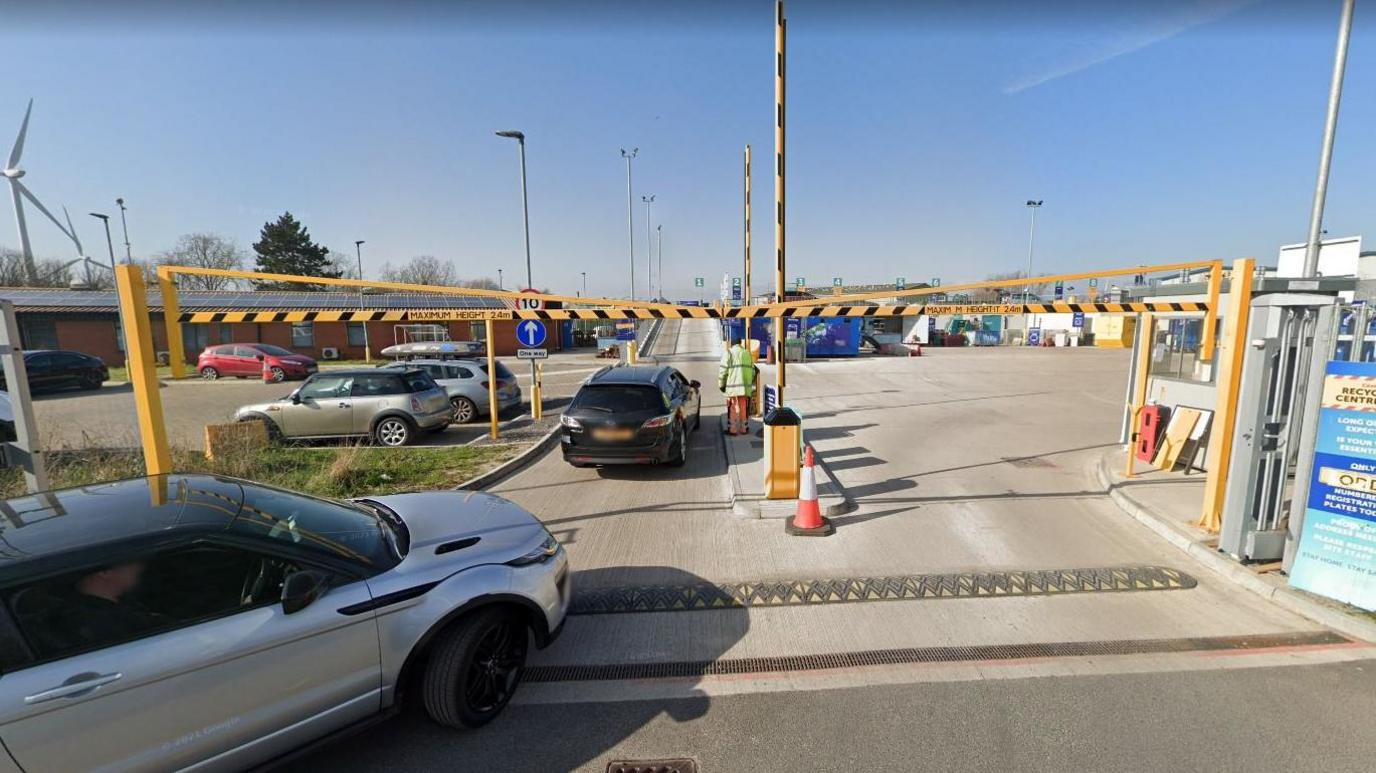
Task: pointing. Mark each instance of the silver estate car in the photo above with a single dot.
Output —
(390, 406)
(207, 623)
(465, 381)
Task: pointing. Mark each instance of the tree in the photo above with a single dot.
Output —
(422, 270)
(481, 283)
(995, 294)
(50, 272)
(285, 247)
(204, 250)
(345, 264)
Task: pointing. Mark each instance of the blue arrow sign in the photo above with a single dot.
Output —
(530, 333)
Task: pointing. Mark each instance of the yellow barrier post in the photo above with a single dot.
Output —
(631, 353)
(491, 379)
(1206, 346)
(1232, 348)
(537, 407)
(142, 364)
(171, 311)
(1139, 388)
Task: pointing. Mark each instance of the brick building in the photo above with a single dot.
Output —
(87, 321)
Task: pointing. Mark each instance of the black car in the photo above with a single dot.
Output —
(55, 368)
(631, 415)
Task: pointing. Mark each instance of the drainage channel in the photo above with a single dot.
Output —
(841, 590)
(912, 655)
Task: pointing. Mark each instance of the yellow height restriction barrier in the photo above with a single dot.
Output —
(143, 368)
(1232, 348)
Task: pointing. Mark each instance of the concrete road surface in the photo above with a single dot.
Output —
(966, 460)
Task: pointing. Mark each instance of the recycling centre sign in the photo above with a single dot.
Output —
(1337, 550)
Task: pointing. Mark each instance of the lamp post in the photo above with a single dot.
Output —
(128, 254)
(367, 348)
(525, 213)
(585, 284)
(110, 244)
(659, 232)
(649, 249)
(630, 216)
(500, 285)
(1031, 237)
(1330, 128)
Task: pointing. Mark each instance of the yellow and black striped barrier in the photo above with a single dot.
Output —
(683, 312)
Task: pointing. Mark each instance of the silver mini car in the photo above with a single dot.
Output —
(194, 621)
(390, 406)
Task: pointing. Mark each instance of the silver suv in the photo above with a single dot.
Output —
(466, 383)
(390, 406)
(187, 621)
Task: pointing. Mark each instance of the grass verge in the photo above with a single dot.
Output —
(331, 472)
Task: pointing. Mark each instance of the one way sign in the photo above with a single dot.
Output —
(530, 333)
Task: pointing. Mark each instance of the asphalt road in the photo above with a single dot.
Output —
(962, 460)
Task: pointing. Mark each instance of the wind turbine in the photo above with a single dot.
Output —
(19, 192)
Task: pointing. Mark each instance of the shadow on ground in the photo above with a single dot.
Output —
(553, 736)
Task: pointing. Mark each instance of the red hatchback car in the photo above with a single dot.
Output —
(265, 361)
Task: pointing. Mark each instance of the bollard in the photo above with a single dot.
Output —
(783, 429)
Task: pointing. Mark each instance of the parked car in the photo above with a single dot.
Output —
(631, 415)
(265, 361)
(57, 368)
(7, 430)
(239, 621)
(466, 383)
(389, 406)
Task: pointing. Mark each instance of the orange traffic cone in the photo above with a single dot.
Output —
(809, 521)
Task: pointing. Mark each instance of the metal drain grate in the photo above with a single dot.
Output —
(908, 655)
(840, 590)
(653, 766)
(1028, 461)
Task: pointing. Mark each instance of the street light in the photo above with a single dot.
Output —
(630, 216)
(128, 254)
(525, 211)
(585, 284)
(659, 231)
(500, 285)
(367, 349)
(649, 249)
(1031, 237)
(1330, 128)
(119, 314)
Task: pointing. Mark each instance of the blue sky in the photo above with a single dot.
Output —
(1153, 131)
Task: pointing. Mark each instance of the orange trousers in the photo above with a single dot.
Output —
(737, 415)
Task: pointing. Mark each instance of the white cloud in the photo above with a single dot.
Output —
(1127, 41)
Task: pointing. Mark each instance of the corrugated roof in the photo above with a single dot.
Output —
(57, 300)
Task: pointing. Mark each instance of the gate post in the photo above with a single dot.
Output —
(143, 368)
(171, 311)
(1206, 344)
(1145, 322)
(1232, 348)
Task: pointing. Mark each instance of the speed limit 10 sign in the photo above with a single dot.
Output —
(524, 303)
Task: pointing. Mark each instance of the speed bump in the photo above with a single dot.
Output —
(841, 590)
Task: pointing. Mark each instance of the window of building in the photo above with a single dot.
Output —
(303, 334)
(1175, 349)
(226, 332)
(358, 336)
(195, 337)
(39, 334)
(478, 331)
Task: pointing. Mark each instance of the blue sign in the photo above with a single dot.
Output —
(530, 333)
(1034, 336)
(1077, 319)
(771, 398)
(735, 292)
(1337, 552)
(1060, 292)
(625, 331)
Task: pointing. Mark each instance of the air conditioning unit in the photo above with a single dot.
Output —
(329, 353)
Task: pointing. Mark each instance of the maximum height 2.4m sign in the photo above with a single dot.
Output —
(530, 334)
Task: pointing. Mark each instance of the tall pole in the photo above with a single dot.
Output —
(530, 281)
(780, 28)
(119, 313)
(747, 295)
(128, 253)
(367, 347)
(1031, 239)
(649, 248)
(1330, 128)
(585, 284)
(500, 285)
(630, 215)
(659, 234)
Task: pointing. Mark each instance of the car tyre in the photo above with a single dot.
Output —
(474, 668)
(679, 456)
(277, 374)
(393, 431)
(464, 410)
(209, 374)
(91, 381)
(697, 419)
